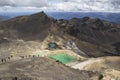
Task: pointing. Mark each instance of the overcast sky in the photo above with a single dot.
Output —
(60, 5)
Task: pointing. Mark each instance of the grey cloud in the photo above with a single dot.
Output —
(24, 3)
(63, 5)
(116, 3)
(90, 5)
(5, 2)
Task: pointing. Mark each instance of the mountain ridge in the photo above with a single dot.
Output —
(95, 37)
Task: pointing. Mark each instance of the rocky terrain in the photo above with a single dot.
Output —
(108, 66)
(95, 37)
(3, 18)
(95, 42)
(42, 69)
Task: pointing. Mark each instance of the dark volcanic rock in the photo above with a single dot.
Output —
(99, 33)
(27, 26)
(95, 37)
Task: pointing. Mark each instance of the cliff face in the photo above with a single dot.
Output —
(94, 37)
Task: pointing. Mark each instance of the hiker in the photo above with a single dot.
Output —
(38, 56)
(9, 58)
(22, 56)
(26, 56)
(15, 78)
(2, 60)
(33, 55)
(29, 55)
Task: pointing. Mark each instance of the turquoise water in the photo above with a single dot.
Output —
(64, 58)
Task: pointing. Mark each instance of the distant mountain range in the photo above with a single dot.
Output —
(109, 16)
(93, 36)
(3, 18)
(112, 17)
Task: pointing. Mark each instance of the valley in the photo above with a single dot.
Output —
(27, 43)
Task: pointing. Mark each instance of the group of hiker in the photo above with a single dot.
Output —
(3, 60)
(29, 56)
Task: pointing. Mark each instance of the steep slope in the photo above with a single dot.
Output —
(94, 36)
(86, 36)
(42, 69)
(26, 26)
